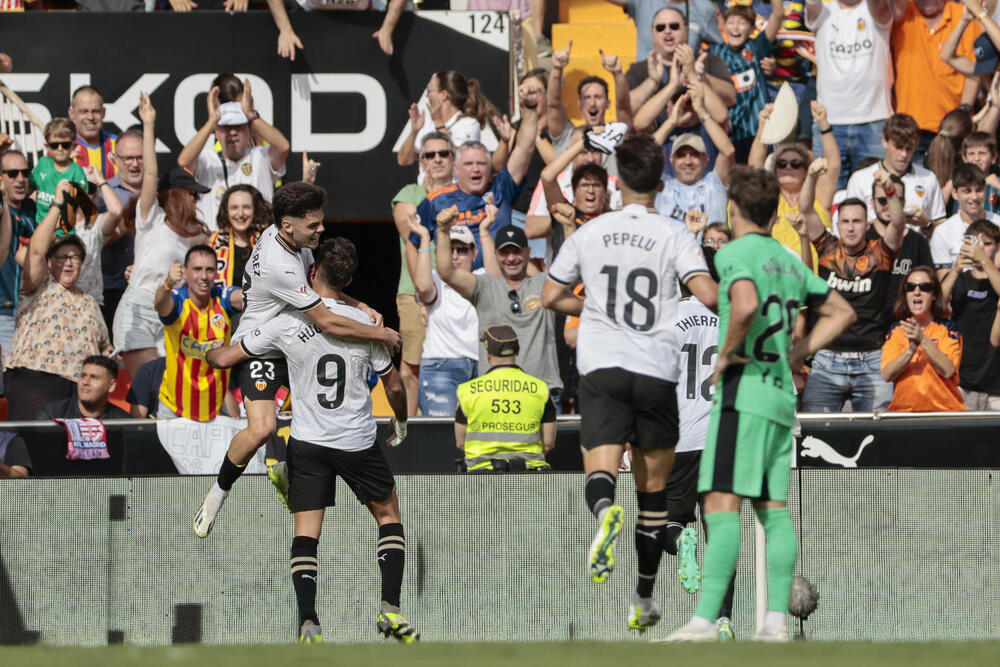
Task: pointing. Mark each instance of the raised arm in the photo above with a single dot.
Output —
(826, 186)
(189, 154)
(896, 229)
(758, 150)
(287, 39)
(798, 222)
(989, 117)
(651, 84)
(727, 152)
(407, 154)
(558, 117)
(423, 280)
(487, 245)
(623, 101)
(111, 218)
(384, 34)
(35, 264)
(6, 226)
(460, 280)
(775, 20)
(164, 300)
(664, 130)
(524, 144)
(990, 27)
(807, 199)
(150, 171)
(960, 64)
(278, 145)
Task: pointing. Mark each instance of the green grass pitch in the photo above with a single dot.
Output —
(572, 654)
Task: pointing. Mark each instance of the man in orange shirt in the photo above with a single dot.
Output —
(926, 86)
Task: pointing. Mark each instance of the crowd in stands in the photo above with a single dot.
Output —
(888, 177)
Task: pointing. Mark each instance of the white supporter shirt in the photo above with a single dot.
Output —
(275, 279)
(328, 376)
(948, 237)
(853, 61)
(91, 281)
(254, 169)
(697, 331)
(157, 246)
(922, 189)
(452, 324)
(708, 195)
(629, 262)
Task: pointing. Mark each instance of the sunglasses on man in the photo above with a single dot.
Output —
(673, 25)
(14, 173)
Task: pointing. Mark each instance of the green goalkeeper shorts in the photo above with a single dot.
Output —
(746, 454)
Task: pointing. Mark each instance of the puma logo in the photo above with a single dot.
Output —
(382, 557)
(817, 449)
(309, 576)
(652, 534)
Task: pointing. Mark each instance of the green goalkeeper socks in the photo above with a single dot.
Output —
(721, 554)
(781, 552)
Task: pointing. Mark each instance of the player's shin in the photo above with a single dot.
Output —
(600, 492)
(304, 573)
(782, 550)
(229, 473)
(650, 530)
(722, 551)
(391, 553)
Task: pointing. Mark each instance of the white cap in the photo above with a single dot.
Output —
(462, 234)
(232, 114)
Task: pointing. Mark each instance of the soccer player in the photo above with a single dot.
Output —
(333, 433)
(630, 262)
(275, 280)
(748, 451)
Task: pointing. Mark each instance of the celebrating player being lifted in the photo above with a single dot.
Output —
(630, 262)
(275, 280)
(748, 450)
(333, 433)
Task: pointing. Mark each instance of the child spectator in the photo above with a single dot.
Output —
(980, 149)
(716, 235)
(57, 166)
(970, 190)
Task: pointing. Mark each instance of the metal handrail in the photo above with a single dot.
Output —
(13, 125)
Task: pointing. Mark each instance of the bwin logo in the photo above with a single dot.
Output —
(817, 449)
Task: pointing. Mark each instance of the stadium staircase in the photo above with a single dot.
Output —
(591, 25)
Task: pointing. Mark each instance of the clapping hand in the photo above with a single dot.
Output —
(913, 332)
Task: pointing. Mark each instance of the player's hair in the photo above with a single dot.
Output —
(539, 73)
(201, 249)
(896, 181)
(337, 260)
(104, 362)
(986, 228)
(230, 87)
(296, 199)
(595, 171)
(61, 127)
(967, 175)
(720, 227)
(946, 146)
(901, 130)
(745, 12)
(755, 193)
(262, 217)
(85, 89)
(640, 163)
(939, 308)
(854, 201)
(67, 239)
(466, 95)
(587, 80)
(979, 139)
(439, 136)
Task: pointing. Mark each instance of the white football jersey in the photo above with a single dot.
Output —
(275, 278)
(328, 376)
(630, 262)
(697, 331)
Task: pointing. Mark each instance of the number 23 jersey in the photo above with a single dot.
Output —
(764, 385)
(629, 261)
(328, 376)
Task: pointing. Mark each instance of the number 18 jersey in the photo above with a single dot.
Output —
(630, 262)
(764, 385)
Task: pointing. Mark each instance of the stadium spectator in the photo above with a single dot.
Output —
(80, 216)
(166, 224)
(475, 187)
(144, 391)
(670, 35)
(924, 202)
(716, 235)
(437, 159)
(57, 166)
(14, 458)
(14, 173)
(450, 352)
(197, 316)
(238, 161)
(118, 252)
(590, 199)
(971, 286)
(980, 149)
(288, 41)
(970, 192)
(791, 162)
(58, 324)
(243, 215)
(505, 420)
(98, 376)
(922, 353)
(849, 368)
(742, 56)
(94, 146)
(980, 68)
(926, 87)
(456, 108)
(513, 298)
(699, 14)
(946, 147)
(853, 76)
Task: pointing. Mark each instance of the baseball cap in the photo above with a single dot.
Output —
(688, 140)
(987, 55)
(462, 234)
(179, 177)
(501, 341)
(232, 114)
(511, 235)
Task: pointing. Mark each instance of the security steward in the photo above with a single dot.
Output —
(506, 421)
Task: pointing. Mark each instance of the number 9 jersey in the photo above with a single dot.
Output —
(328, 376)
(630, 262)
